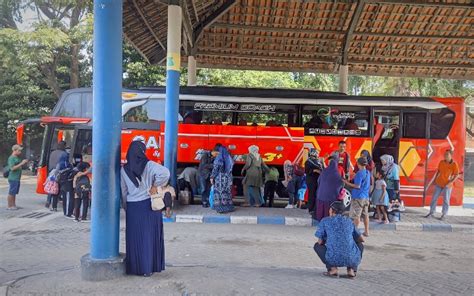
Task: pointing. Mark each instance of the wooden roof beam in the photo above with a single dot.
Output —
(316, 31)
(354, 21)
(196, 14)
(129, 41)
(187, 24)
(396, 35)
(147, 24)
(208, 21)
(422, 3)
(276, 29)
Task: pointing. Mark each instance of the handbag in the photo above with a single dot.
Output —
(51, 187)
(157, 202)
(158, 199)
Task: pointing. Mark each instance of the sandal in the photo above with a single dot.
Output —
(328, 274)
(365, 234)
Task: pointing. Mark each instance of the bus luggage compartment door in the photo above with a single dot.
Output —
(277, 144)
(192, 139)
(236, 138)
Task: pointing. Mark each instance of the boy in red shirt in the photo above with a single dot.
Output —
(344, 159)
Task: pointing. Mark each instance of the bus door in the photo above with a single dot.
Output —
(413, 155)
(82, 145)
(53, 134)
(386, 138)
(30, 136)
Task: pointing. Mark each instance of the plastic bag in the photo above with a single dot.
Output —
(211, 198)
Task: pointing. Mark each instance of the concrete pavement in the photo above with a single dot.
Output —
(42, 258)
(40, 253)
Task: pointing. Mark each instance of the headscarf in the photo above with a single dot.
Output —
(313, 158)
(224, 159)
(314, 153)
(136, 162)
(389, 163)
(367, 156)
(253, 150)
(330, 182)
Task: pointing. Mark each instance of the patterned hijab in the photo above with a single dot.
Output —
(389, 163)
(224, 159)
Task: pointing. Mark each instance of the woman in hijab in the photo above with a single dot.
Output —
(313, 167)
(221, 179)
(253, 170)
(329, 186)
(140, 178)
(392, 176)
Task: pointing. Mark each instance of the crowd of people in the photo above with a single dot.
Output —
(146, 193)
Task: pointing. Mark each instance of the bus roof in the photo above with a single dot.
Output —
(275, 96)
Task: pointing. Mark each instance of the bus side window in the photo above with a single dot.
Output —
(284, 115)
(441, 123)
(414, 125)
(151, 110)
(86, 105)
(336, 120)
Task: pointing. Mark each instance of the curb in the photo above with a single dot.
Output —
(308, 222)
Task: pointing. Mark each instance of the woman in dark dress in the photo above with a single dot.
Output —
(329, 186)
(313, 167)
(145, 245)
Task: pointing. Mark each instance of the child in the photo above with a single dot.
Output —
(271, 182)
(167, 194)
(82, 185)
(302, 192)
(294, 184)
(380, 197)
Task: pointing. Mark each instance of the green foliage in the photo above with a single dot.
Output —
(240, 78)
(137, 72)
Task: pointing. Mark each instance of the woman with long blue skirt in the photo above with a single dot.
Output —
(221, 179)
(145, 245)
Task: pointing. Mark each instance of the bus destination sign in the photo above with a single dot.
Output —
(255, 108)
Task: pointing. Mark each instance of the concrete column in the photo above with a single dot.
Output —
(173, 64)
(343, 78)
(104, 262)
(192, 79)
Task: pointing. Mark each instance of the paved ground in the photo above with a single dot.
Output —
(40, 256)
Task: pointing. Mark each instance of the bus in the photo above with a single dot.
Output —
(284, 123)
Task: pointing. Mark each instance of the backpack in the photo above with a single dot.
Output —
(6, 171)
(298, 170)
(83, 186)
(65, 176)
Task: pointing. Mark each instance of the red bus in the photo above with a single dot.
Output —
(283, 123)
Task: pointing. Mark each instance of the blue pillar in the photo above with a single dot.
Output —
(106, 132)
(173, 63)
